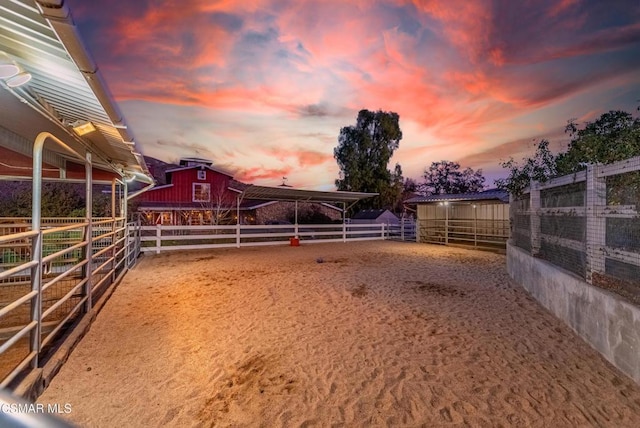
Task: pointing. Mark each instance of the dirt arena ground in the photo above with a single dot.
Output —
(358, 334)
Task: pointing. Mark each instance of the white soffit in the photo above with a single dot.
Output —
(66, 87)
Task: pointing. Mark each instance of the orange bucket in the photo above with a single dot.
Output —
(294, 242)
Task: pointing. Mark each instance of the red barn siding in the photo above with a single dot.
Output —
(76, 170)
(181, 190)
(17, 164)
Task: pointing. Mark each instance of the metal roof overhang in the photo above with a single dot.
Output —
(66, 87)
(290, 194)
(487, 195)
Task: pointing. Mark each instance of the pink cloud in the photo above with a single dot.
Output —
(456, 70)
(250, 175)
(561, 7)
(301, 158)
(466, 24)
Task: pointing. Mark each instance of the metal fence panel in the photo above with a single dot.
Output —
(587, 223)
(62, 295)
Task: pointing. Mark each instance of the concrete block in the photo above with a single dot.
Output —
(603, 319)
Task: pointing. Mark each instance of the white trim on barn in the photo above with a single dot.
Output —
(201, 167)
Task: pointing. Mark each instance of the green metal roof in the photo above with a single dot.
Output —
(292, 194)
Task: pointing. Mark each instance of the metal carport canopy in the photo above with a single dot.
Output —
(300, 195)
(66, 88)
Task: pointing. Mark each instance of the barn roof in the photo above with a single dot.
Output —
(490, 194)
(368, 214)
(65, 89)
(290, 194)
(209, 167)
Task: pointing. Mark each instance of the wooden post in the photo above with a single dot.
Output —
(534, 212)
(402, 228)
(158, 238)
(512, 219)
(238, 222)
(596, 197)
(295, 232)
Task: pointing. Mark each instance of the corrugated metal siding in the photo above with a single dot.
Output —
(497, 211)
(486, 221)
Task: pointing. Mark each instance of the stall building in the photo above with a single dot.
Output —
(479, 219)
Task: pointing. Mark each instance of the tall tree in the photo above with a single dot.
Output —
(393, 193)
(612, 137)
(58, 200)
(445, 177)
(410, 186)
(363, 154)
(540, 167)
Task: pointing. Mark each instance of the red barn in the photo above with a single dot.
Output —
(199, 193)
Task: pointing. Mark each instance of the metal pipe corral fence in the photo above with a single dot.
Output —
(75, 268)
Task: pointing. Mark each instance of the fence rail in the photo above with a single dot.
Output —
(403, 231)
(50, 277)
(476, 232)
(166, 238)
(587, 223)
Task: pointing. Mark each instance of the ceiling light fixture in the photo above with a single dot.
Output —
(82, 128)
(8, 68)
(18, 80)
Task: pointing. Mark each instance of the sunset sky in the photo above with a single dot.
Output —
(262, 87)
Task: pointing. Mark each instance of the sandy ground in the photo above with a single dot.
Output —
(378, 334)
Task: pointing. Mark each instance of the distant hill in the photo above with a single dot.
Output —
(157, 168)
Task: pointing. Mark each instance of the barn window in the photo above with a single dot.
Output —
(202, 175)
(201, 192)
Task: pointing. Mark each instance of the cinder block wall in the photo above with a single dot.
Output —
(601, 318)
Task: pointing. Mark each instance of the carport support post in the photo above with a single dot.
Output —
(114, 251)
(125, 214)
(295, 233)
(88, 233)
(475, 225)
(344, 222)
(446, 222)
(36, 249)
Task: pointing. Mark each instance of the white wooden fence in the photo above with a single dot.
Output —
(167, 238)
